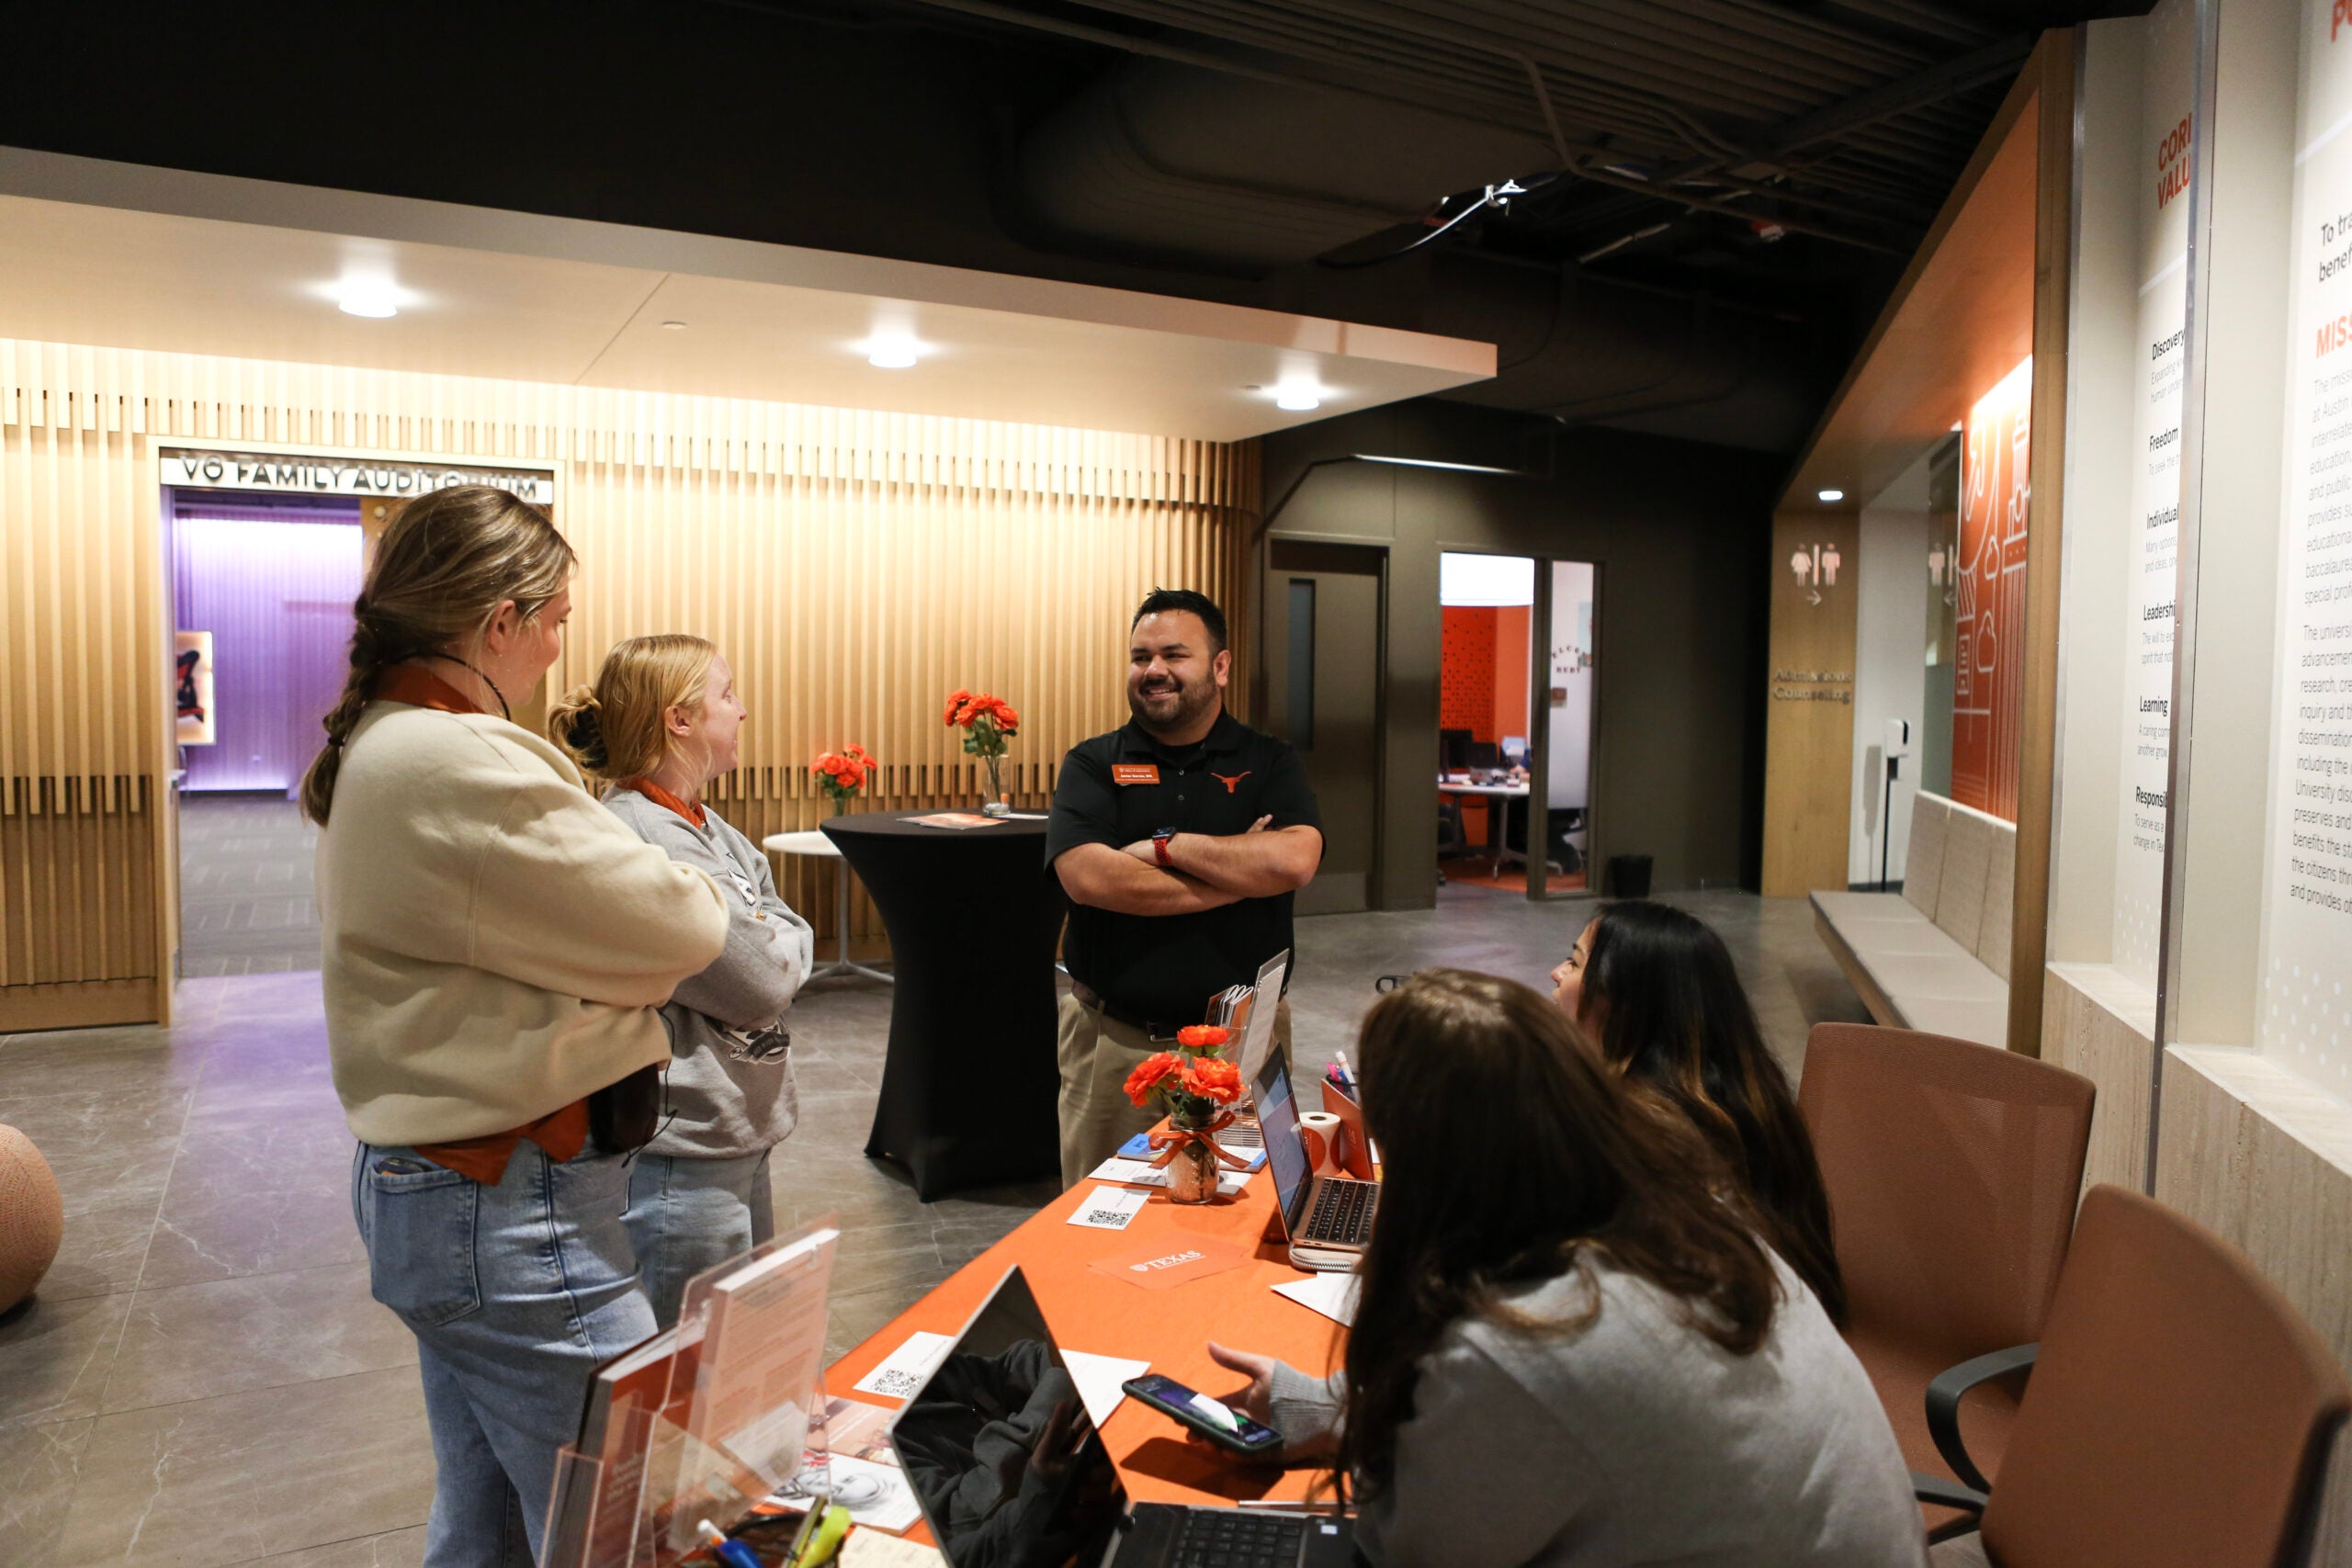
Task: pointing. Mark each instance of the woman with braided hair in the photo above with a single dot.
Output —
(496, 950)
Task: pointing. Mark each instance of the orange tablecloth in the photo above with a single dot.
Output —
(1092, 1312)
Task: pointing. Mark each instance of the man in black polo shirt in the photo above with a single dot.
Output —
(1179, 839)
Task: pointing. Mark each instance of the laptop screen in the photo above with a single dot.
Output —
(1257, 1035)
(1008, 1468)
(1285, 1150)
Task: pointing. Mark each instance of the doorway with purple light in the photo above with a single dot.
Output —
(261, 593)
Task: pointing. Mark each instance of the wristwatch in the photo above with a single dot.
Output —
(1160, 847)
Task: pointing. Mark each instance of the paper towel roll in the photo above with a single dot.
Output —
(1320, 1129)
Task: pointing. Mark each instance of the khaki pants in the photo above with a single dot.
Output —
(1097, 1053)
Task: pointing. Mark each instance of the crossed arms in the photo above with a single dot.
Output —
(1210, 872)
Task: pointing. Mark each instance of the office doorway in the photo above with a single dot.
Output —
(1515, 725)
(1323, 660)
(262, 589)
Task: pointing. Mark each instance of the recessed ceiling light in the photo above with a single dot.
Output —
(1831, 494)
(891, 354)
(674, 326)
(373, 300)
(1298, 397)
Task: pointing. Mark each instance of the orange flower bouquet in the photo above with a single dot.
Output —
(987, 723)
(843, 774)
(1196, 1086)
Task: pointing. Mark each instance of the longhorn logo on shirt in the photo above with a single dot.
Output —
(1228, 782)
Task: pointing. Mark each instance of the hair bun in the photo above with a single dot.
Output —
(581, 720)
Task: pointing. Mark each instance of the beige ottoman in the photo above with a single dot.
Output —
(32, 1217)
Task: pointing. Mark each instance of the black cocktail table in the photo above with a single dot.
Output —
(969, 1086)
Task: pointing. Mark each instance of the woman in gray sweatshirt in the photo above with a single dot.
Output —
(661, 722)
(1571, 1346)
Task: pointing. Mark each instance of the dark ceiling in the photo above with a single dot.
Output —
(1718, 194)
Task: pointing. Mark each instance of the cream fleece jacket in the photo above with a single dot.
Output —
(496, 944)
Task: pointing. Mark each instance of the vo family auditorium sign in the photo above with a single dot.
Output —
(346, 475)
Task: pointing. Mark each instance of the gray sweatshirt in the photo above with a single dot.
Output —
(1632, 1440)
(730, 1089)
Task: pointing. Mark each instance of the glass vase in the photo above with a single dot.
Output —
(995, 804)
(1192, 1175)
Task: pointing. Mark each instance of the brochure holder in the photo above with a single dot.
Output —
(1355, 1143)
(704, 1420)
(757, 1380)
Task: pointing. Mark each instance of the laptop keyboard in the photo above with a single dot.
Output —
(1342, 1212)
(1238, 1537)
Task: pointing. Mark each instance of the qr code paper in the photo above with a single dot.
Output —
(1108, 1208)
(894, 1382)
(901, 1373)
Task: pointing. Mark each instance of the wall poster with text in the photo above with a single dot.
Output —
(2161, 206)
(2307, 902)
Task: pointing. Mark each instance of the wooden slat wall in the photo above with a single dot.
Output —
(856, 566)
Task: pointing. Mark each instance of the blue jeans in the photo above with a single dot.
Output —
(515, 1293)
(686, 1215)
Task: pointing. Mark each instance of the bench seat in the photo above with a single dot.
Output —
(1935, 956)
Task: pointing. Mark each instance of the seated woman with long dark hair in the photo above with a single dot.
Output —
(1571, 1348)
(1655, 987)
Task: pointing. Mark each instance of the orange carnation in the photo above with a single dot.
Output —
(1213, 1077)
(1149, 1074)
(1202, 1036)
(955, 700)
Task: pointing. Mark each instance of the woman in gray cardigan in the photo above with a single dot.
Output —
(661, 721)
(1571, 1346)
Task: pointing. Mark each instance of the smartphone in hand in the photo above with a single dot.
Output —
(1227, 1428)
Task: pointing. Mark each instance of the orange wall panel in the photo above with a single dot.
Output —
(1512, 657)
(1988, 686)
(1466, 672)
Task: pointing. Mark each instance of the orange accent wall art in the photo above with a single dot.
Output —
(1988, 684)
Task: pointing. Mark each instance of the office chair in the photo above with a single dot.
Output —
(2179, 1413)
(1515, 839)
(1452, 839)
(1952, 1170)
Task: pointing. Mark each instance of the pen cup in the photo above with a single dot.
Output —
(1320, 1132)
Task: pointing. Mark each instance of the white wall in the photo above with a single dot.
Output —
(1572, 612)
(1890, 665)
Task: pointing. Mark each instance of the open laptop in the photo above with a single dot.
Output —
(1327, 1218)
(971, 1441)
(1257, 1040)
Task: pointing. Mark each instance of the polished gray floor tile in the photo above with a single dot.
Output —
(102, 1252)
(273, 1149)
(40, 1467)
(225, 1235)
(259, 1331)
(98, 1061)
(244, 1475)
(395, 1549)
(54, 1355)
(108, 1150)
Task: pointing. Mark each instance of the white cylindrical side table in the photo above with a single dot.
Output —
(815, 843)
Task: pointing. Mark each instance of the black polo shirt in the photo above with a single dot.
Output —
(1164, 968)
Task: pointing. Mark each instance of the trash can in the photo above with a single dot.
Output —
(1629, 877)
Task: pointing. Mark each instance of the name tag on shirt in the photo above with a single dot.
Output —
(1134, 772)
